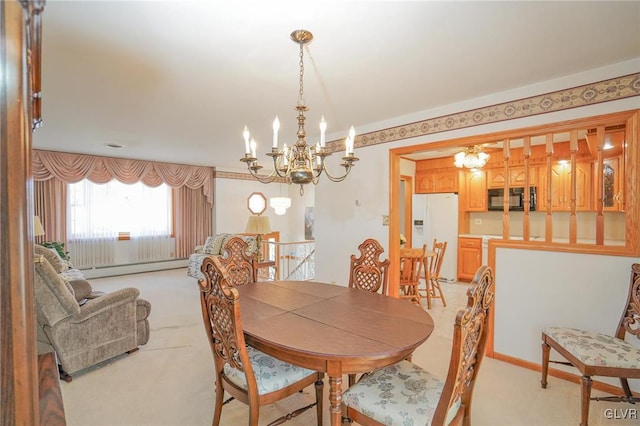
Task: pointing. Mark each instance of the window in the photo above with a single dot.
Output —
(104, 210)
(98, 213)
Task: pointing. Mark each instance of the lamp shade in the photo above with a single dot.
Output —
(38, 230)
(258, 225)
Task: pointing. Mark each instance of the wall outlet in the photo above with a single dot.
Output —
(478, 222)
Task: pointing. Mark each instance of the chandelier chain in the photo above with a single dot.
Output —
(301, 64)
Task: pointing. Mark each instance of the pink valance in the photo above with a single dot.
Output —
(72, 168)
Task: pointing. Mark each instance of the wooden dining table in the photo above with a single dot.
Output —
(330, 328)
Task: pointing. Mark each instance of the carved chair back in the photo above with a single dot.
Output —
(221, 315)
(469, 340)
(367, 271)
(234, 371)
(630, 320)
(240, 266)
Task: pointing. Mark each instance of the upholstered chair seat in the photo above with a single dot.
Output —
(271, 373)
(404, 394)
(593, 348)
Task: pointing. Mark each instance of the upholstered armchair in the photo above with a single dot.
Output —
(84, 335)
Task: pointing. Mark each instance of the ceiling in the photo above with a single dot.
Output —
(177, 81)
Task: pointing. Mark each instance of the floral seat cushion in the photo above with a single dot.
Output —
(271, 373)
(596, 349)
(398, 395)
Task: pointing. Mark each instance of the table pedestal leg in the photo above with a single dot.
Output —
(335, 400)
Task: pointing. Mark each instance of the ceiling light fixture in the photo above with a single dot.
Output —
(299, 164)
(280, 204)
(471, 158)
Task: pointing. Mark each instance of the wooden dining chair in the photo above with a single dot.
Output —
(432, 266)
(411, 262)
(599, 354)
(239, 261)
(367, 271)
(406, 394)
(244, 372)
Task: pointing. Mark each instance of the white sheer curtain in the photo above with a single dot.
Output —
(98, 213)
(90, 236)
(151, 235)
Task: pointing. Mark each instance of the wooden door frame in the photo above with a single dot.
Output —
(408, 208)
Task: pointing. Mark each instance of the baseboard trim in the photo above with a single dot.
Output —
(137, 268)
(564, 375)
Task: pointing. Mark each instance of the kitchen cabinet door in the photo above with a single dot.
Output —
(561, 188)
(475, 192)
(496, 177)
(612, 197)
(469, 257)
(436, 182)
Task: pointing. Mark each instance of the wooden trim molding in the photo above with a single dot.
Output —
(18, 349)
(588, 94)
(561, 374)
(219, 174)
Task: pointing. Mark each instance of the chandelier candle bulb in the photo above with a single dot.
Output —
(323, 129)
(276, 127)
(352, 139)
(253, 148)
(245, 135)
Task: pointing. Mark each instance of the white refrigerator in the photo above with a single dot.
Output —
(435, 216)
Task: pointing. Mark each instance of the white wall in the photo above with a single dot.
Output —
(581, 291)
(231, 213)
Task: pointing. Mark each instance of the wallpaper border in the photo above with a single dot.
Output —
(588, 94)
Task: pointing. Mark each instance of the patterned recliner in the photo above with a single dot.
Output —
(214, 245)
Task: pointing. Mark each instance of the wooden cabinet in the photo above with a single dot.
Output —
(475, 191)
(469, 257)
(561, 187)
(612, 185)
(428, 182)
(496, 177)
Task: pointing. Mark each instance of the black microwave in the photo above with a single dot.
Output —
(495, 199)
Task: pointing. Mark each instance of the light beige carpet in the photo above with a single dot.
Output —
(169, 381)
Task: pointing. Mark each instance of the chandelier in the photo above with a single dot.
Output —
(471, 158)
(299, 163)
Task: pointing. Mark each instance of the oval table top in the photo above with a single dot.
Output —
(330, 328)
(309, 323)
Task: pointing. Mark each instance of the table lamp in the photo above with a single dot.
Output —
(38, 230)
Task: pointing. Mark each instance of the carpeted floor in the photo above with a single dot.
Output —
(169, 381)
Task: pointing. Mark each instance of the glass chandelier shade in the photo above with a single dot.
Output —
(299, 163)
(471, 158)
(280, 204)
